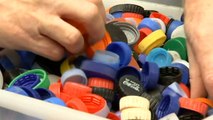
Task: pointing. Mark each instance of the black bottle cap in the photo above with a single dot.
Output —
(185, 114)
(127, 8)
(107, 94)
(115, 32)
(168, 75)
(129, 85)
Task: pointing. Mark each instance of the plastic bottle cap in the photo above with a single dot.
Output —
(26, 59)
(175, 87)
(56, 88)
(129, 85)
(117, 14)
(133, 102)
(28, 80)
(141, 59)
(171, 116)
(56, 101)
(185, 72)
(179, 32)
(76, 89)
(161, 23)
(31, 92)
(147, 13)
(66, 97)
(184, 62)
(132, 15)
(53, 78)
(115, 33)
(74, 75)
(194, 105)
(95, 69)
(179, 45)
(130, 31)
(100, 82)
(113, 116)
(123, 50)
(135, 114)
(143, 33)
(44, 93)
(150, 73)
(185, 89)
(128, 70)
(109, 17)
(44, 80)
(168, 104)
(206, 101)
(1, 80)
(127, 8)
(101, 44)
(155, 39)
(95, 104)
(159, 56)
(18, 90)
(108, 58)
(154, 100)
(132, 21)
(66, 65)
(77, 104)
(107, 94)
(134, 63)
(174, 24)
(175, 55)
(149, 23)
(161, 16)
(168, 75)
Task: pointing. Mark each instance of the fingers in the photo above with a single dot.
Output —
(87, 16)
(196, 83)
(47, 48)
(100, 5)
(63, 33)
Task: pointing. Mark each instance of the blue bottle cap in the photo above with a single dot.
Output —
(172, 27)
(142, 58)
(185, 72)
(56, 101)
(117, 14)
(95, 69)
(31, 92)
(18, 90)
(122, 50)
(29, 80)
(44, 93)
(5, 63)
(150, 75)
(74, 75)
(174, 90)
(159, 56)
(128, 70)
(27, 59)
(149, 23)
(168, 104)
(107, 57)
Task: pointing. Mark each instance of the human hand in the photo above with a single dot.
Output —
(50, 27)
(199, 30)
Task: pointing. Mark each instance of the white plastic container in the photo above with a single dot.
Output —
(18, 107)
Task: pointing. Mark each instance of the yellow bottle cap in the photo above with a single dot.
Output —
(66, 65)
(134, 102)
(135, 114)
(153, 40)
